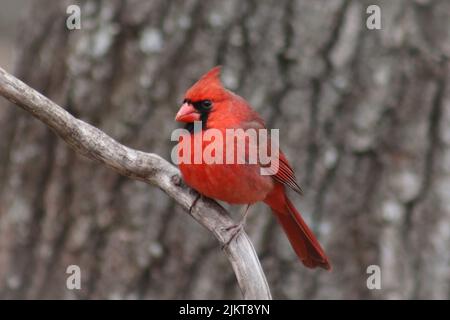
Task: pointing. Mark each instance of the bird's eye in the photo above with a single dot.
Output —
(202, 105)
(206, 104)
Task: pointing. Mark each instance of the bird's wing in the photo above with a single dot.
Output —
(286, 175)
(282, 172)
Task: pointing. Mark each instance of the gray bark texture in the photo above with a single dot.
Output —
(364, 117)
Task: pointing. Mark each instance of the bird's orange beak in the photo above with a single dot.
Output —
(187, 113)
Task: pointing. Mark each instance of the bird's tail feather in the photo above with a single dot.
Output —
(300, 236)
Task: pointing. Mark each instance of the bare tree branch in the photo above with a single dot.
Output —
(148, 167)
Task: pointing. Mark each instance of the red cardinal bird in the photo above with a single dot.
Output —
(208, 101)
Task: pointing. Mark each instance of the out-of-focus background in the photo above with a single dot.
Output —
(10, 13)
(364, 118)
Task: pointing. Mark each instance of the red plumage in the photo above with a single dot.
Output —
(243, 183)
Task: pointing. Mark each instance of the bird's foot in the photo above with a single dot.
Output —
(236, 228)
(234, 231)
(194, 203)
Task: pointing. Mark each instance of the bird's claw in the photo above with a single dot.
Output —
(235, 230)
(194, 203)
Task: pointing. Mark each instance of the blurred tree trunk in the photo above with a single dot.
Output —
(364, 117)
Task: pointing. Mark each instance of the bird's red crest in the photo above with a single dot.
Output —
(209, 87)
